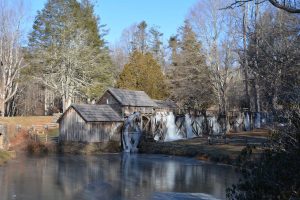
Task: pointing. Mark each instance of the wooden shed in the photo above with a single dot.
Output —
(90, 123)
(125, 102)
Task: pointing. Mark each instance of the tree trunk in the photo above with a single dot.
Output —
(2, 107)
(245, 60)
(257, 117)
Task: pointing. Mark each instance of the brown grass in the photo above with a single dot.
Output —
(25, 122)
(5, 156)
(200, 149)
(253, 133)
(20, 141)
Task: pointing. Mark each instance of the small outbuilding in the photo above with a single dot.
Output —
(90, 123)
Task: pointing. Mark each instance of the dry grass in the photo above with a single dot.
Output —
(27, 121)
(218, 152)
(5, 156)
(53, 132)
(24, 122)
(253, 133)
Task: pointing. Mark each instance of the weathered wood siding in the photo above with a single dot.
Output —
(108, 99)
(73, 128)
(165, 110)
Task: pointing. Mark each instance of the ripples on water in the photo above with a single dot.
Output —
(113, 177)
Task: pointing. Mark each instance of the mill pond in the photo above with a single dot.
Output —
(114, 176)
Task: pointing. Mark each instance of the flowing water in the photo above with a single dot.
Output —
(113, 177)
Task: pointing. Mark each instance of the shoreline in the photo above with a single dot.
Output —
(198, 148)
(196, 152)
(221, 152)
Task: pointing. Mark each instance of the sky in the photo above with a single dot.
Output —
(120, 14)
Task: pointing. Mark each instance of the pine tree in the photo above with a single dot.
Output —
(66, 51)
(142, 72)
(189, 78)
(156, 45)
(140, 36)
(173, 45)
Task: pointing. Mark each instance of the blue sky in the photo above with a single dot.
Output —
(120, 14)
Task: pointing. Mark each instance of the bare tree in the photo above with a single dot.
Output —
(291, 6)
(11, 57)
(119, 57)
(214, 27)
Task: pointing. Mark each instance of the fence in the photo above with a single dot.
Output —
(3, 136)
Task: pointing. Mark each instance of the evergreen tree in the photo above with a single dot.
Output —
(173, 45)
(66, 51)
(156, 45)
(189, 78)
(142, 72)
(140, 36)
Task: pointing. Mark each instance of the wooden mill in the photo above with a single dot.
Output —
(102, 122)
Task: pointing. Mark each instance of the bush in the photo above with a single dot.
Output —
(276, 174)
(37, 148)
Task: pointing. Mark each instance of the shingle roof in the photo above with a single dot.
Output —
(132, 98)
(97, 113)
(165, 104)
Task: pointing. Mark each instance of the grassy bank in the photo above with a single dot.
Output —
(24, 122)
(18, 137)
(5, 156)
(199, 148)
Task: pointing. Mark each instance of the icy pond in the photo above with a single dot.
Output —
(113, 177)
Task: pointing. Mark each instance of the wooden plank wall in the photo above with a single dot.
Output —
(128, 110)
(108, 99)
(74, 128)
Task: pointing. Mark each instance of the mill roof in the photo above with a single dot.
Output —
(165, 104)
(132, 97)
(96, 113)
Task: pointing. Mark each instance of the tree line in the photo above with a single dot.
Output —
(241, 58)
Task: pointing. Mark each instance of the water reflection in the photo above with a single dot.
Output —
(111, 176)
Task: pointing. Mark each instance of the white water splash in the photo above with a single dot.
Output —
(215, 126)
(247, 122)
(238, 123)
(257, 122)
(188, 126)
(172, 132)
